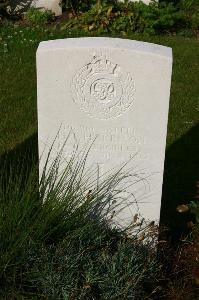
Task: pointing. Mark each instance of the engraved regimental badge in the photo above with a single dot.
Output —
(102, 89)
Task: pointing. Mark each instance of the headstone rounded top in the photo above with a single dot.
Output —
(106, 42)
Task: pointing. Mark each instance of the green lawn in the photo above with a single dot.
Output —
(18, 82)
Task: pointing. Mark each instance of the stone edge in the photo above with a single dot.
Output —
(106, 42)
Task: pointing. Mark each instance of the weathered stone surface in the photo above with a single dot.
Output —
(116, 91)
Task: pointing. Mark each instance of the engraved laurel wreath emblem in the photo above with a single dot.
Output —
(102, 89)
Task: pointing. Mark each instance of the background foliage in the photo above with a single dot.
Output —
(113, 16)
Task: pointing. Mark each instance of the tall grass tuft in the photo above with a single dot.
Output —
(56, 241)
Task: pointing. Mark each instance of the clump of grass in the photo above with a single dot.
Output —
(56, 241)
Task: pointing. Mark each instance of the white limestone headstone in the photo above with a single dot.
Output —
(113, 89)
(22, 6)
(53, 5)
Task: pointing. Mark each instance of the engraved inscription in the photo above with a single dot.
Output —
(117, 144)
(102, 89)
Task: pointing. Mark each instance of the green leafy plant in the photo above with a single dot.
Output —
(194, 209)
(79, 6)
(132, 17)
(38, 17)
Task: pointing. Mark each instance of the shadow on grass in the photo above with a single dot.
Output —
(181, 173)
(21, 160)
